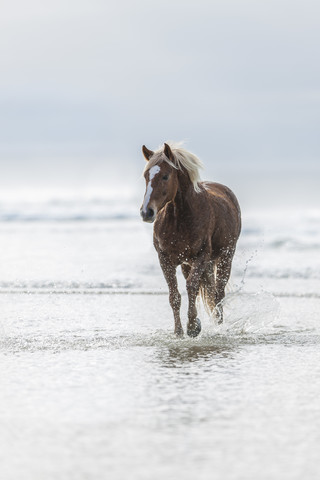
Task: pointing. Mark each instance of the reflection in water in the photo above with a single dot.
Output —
(176, 355)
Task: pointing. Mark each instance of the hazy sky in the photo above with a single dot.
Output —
(89, 81)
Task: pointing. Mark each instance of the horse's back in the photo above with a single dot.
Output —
(219, 191)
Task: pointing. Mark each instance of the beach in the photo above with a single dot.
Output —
(95, 385)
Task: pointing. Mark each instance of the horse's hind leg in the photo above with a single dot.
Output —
(185, 270)
(207, 288)
(223, 270)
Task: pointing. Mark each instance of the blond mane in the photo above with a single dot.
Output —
(182, 159)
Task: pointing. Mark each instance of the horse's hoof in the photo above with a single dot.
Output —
(179, 333)
(195, 329)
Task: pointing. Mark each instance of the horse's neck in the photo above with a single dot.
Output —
(183, 200)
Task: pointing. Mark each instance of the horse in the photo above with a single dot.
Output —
(196, 226)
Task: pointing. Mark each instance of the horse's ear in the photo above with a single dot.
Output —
(147, 153)
(168, 152)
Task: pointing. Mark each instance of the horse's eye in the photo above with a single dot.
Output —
(165, 177)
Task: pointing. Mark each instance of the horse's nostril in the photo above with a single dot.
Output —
(150, 213)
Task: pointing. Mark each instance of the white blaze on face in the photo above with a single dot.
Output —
(152, 173)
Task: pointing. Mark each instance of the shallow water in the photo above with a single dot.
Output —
(95, 385)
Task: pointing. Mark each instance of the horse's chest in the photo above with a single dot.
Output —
(179, 246)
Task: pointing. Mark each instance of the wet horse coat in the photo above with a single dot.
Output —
(196, 225)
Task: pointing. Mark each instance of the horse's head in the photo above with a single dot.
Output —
(161, 183)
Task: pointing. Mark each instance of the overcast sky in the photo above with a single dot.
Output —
(89, 81)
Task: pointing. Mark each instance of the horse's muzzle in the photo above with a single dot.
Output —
(148, 215)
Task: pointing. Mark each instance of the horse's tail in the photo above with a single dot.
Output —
(206, 291)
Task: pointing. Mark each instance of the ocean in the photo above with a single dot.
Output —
(95, 385)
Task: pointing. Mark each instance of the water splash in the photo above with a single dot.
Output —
(248, 313)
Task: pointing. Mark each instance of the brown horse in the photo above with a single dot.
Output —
(196, 225)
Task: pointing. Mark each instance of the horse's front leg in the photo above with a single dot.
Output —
(169, 272)
(193, 286)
